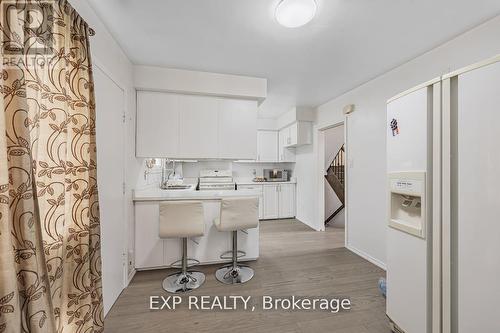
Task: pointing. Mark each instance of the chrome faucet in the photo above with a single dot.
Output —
(166, 172)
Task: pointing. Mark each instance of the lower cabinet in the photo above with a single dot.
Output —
(279, 201)
(271, 202)
(286, 200)
(148, 245)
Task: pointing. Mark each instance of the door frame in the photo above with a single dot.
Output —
(321, 179)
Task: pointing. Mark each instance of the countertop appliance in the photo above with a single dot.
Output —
(276, 175)
(216, 180)
(443, 195)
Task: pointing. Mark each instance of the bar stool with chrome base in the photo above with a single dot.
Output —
(236, 214)
(182, 219)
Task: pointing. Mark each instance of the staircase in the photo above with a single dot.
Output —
(335, 176)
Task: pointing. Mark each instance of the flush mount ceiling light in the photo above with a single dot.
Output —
(295, 13)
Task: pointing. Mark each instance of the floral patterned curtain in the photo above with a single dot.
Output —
(50, 264)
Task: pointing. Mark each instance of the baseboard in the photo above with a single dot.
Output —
(322, 228)
(130, 277)
(363, 255)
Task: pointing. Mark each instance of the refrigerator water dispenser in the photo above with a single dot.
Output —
(407, 202)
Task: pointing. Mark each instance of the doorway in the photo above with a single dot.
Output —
(332, 177)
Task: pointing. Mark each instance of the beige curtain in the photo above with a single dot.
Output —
(50, 264)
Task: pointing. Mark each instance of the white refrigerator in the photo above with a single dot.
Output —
(443, 251)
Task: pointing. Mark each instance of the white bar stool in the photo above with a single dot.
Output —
(182, 219)
(236, 214)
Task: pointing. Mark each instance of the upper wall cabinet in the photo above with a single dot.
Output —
(298, 134)
(157, 126)
(198, 127)
(195, 127)
(267, 146)
(237, 129)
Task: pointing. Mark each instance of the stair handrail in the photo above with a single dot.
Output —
(334, 155)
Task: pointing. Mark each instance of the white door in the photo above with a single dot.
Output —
(477, 200)
(286, 200)
(267, 146)
(157, 129)
(271, 202)
(198, 126)
(110, 177)
(237, 129)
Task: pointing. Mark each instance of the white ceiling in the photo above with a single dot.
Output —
(348, 43)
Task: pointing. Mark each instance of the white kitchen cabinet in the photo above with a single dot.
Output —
(237, 129)
(285, 154)
(148, 245)
(298, 134)
(198, 127)
(261, 196)
(271, 202)
(279, 201)
(267, 146)
(286, 200)
(157, 124)
(195, 127)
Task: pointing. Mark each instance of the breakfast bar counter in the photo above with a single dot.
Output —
(158, 194)
(151, 252)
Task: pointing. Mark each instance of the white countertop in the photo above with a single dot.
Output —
(251, 182)
(157, 194)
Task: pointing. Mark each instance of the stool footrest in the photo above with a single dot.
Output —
(191, 263)
(229, 254)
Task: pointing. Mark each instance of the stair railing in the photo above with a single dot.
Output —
(338, 165)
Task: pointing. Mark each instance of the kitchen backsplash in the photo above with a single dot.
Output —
(191, 170)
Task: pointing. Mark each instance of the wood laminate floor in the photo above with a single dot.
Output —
(294, 260)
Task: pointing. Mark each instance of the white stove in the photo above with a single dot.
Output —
(216, 180)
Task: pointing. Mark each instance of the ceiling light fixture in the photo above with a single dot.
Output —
(295, 13)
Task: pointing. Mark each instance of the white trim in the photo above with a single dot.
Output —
(321, 174)
(130, 277)
(346, 180)
(365, 256)
(469, 68)
(409, 91)
(320, 134)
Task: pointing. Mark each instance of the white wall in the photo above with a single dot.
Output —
(110, 58)
(334, 139)
(366, 128)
